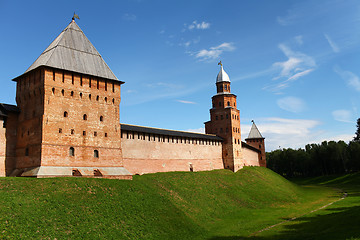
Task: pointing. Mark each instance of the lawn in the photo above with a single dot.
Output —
(178, 205)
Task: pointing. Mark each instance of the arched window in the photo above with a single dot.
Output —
(106, 134)
(85, 117)
(72, 131)
(228, 103)
(113, 101)
(63, 92)
(216, 117)
(219, 104)
(72, 93)
(89, 96)
(84, 133)
(105, 99)
(96, 154)
(26, 151)
(227, 116)
(53, 90)
(101, 118)
(225, 87)
(65, 114)
(97, 98)
(80, 95)
(71, 152)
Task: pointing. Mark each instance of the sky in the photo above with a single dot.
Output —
(294, 65)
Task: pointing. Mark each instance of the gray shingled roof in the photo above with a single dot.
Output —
(9, 108)
(254, 132)
(167, 132)
(73, 51)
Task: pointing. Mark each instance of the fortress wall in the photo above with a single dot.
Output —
(251, 157)
(149, 153)
(2, 148)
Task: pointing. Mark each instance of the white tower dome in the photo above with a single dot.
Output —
(222, 76)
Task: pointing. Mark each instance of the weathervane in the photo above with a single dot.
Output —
(252, 121)
(220, 63)
(75, 16)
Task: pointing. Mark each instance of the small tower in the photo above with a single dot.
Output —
(225, 121)
(256, 140)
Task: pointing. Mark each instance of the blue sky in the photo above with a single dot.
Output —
(294, 65)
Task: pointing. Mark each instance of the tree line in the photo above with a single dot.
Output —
(317, 159)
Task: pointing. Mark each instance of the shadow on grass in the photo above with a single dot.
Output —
(335, 223)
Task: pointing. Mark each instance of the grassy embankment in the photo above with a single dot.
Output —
(341, 220)
(180, 205)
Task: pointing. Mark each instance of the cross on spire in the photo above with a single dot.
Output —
(220, 63)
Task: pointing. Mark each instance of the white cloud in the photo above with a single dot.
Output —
(214, 52)
(299, 39)
(129, 17)
(197, 130)
(332, 44)
(342, 115)
(188, 43)
(285, 133)
(297, 65)
(291, 104)
(290, 18)
(186, 102)
(352, 79)
(196, 25)
(292, 133)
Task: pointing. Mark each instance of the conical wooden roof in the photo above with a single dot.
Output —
(254, 132)
(73, 51)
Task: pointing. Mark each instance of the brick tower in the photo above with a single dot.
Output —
(256, 140)
(69, 112)
(225, 121)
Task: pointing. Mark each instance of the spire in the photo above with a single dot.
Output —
(222, 75)
(254, 132)
(73, 51)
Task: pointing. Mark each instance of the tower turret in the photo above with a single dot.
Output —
(225, 121)
(256, 140)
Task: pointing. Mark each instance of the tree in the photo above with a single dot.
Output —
(357, 133)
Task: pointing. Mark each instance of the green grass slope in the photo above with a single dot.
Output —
(180, 205)
(341, 220)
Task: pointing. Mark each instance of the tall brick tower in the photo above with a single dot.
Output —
(225, 121)
(69, 112)
(256, 140)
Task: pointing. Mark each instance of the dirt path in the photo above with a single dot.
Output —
(294, 218)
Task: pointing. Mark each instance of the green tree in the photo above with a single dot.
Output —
(357, 133)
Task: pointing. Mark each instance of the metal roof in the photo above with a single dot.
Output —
(167, 132)
(5, 108)
(254, 132)
(73, 51)
(222, 76)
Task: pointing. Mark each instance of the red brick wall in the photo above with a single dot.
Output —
(225, 123)
(259, 144)
(251, 158)
(148, 156)
(46, 134)
(2, 148)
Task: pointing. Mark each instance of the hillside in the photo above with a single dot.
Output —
(179, 205)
